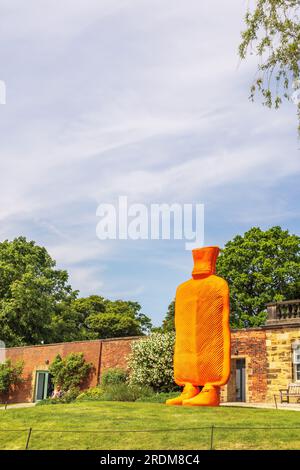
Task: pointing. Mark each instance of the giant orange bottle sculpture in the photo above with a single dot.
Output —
(202, 346)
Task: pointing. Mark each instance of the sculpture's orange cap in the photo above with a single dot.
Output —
(205, 260)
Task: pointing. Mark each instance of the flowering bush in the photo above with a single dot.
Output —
(151, 362)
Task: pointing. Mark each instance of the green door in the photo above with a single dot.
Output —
(42, 385)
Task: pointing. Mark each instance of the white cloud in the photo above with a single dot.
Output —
(146, 99)
(70, 252)
(86, 279)
(53, 19)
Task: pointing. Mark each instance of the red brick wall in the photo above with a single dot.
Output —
(251, 344)
(102, 354)
(38, 358)
(115, 352)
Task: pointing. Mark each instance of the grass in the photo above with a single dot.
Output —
(112, 418)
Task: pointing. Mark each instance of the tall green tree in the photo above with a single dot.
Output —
(131, 309)
(260, 267)
(103, 318)
(169, 320)
(273, 34)
(72, 321)
(32, 293)
(38, 305)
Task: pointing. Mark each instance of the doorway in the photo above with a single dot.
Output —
(43, 385)
(240, 379)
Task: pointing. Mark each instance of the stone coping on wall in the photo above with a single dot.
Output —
(278, 325)
(104, 340)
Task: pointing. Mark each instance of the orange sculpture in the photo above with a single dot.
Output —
(202, 346)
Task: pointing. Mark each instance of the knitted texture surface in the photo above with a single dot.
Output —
(202, 347)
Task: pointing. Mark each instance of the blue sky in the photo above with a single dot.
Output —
(140, 98)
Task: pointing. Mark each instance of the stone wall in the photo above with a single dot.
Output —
(279, 356)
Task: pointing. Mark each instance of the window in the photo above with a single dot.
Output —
(296, 362)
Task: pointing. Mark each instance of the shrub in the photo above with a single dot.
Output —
(117, 392)
(125, 392)
(70, 395)
(151, 362)
(10, 376)
(70, 372)
(114, 376)
(94, 393)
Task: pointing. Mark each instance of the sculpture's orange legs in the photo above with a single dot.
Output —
(202, 347)
(209, 396)
(188, 392)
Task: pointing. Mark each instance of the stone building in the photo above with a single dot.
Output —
(266, 359)
(263, 360)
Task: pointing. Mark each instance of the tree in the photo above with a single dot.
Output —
(130, 309)
(70, 372)
(72, 322)
(169, 321)
(38, 305)
(115, 319)
(95, 317)
(112, 325)
(273, 34)
(32, 293)
(260, 267)
(10, 377)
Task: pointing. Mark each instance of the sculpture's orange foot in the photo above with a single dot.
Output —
(188, 392)
(209, 396)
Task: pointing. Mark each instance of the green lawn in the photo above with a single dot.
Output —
(113, 418)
